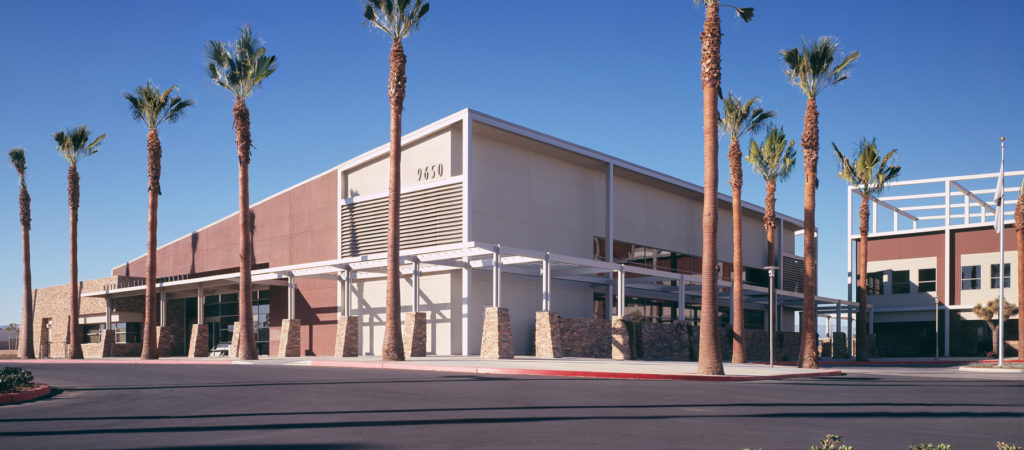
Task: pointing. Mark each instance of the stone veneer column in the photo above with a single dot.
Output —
(497, 337)
(233, 349)
(163, 341)
(291, 338)
(414, 334)
(199, 345)
(346, 341)
(547, 335)
(107, 342)
(620, 339)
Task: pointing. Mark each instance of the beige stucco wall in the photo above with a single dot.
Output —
(434, 158)
(987, 292)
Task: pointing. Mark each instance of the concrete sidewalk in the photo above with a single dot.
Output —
(521, 365)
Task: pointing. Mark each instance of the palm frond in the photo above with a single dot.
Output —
(396, 19)
(866, 170)
(811, 66)
(774, 159)
(240, 66)
(17, 158)
(73, 143)
(739, 118)
(150, 105)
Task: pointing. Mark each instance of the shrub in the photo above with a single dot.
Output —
(1004, 446)
(12, 378)
(832, 442)
(923, 446)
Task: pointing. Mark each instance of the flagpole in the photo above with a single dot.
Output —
(1002, 243)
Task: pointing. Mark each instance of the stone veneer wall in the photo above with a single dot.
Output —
(53, 303)
(585, 338)
(663, 341)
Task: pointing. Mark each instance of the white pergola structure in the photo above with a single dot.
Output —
(623, 280)
(943, 204)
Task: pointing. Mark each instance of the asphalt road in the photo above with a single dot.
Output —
(108, 406)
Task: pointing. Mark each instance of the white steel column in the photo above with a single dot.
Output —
(200, 301)
(849, 328)
(496, 277)
(291, 296)
(545, 280)
(849, 244)
(339, 295)
(416, 286)
(466, 285)
(621, 285)
(163, 309)
(947, 258)
(609, 239)
(107, 302)
(945, 322)
(348, 292)
(466, 273)
(681, 300)
(874, 217)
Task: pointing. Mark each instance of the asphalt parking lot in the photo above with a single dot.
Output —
(166, 406)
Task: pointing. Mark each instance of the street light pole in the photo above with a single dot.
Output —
(771, 315)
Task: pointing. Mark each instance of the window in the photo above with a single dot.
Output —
(876, 282)
(995, 275)
(901, 282)
(926, 280)
(92, 334)
(126, 332)
(970, 278)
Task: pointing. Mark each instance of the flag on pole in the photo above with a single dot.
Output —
(998, 200)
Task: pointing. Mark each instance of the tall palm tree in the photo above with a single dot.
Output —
(773, 160)
(1018, 225)
(73, 144)
(709, 355)
(25, 350)
(871, 174)
(396, 18)
(739, 119)
(813, 68)
(241, 67)
(153, 107)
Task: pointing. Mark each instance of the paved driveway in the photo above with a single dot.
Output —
(107, 405)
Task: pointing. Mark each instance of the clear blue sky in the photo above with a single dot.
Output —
(941, 81)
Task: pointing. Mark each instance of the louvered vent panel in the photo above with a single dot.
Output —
(792, 274)
(428, 217)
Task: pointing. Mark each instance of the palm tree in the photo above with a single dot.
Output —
(709, 355)
(813, 68)
(396, 18)
(739, 119)
(773, 160)
(73, 144)
(871, 174)
(25, 350)
(240, 69)
(153, 107)
(1018, 224)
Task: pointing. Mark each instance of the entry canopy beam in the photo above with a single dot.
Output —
(971, 195)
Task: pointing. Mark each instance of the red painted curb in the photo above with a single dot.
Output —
(874, 363)
(564, 373)
(24, 396)
(996, 361)
(122, 361)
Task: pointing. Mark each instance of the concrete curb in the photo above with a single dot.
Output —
(24, 396)
(991, 370)
(124, 361)
(564, 373)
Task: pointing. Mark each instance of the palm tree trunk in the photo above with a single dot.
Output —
(769, 220)
(809, 317)
(1018, 222)
(243, 140)
(709, 356)
(862, 283)
(150, 346)
(25, 350)
(739, 350)
(393, 348)
(74, 331)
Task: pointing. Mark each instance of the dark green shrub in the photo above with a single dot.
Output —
(923, 446)
(832, 442)
(12, 378)
(1004, 446)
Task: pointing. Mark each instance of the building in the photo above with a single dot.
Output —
(934, 260)
(492, 214)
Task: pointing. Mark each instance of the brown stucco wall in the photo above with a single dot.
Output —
(292, 227)
(914, 246)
